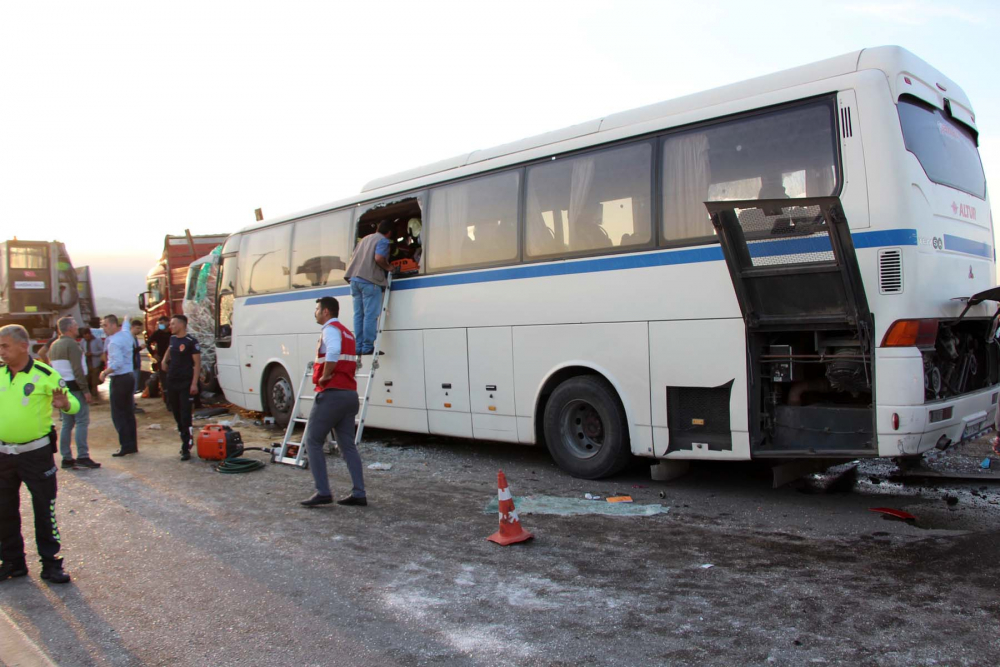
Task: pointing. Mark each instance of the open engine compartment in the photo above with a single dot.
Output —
(809, 330)
(963, 358)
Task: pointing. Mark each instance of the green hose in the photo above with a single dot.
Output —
(234, 465)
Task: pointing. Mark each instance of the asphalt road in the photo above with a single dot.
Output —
(174, 564)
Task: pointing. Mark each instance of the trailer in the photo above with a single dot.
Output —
(167, 280)
(38, 285)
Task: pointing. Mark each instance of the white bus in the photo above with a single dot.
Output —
(799, 265)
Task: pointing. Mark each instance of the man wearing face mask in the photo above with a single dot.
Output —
(159, 343)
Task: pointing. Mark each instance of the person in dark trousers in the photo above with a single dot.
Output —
(335, 406)
(68, 359)
(159, 342)
(367, 275)
(182, 364)
(119, 369)
(29, 390)
(137, 345)
(94, 349)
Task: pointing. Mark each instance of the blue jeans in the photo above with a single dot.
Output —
(367, 299)
(81, 420)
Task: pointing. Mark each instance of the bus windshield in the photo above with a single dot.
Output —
(945, 148)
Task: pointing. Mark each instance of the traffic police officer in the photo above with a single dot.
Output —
(28, 391)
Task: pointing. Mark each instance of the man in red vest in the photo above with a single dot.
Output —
(335, 406)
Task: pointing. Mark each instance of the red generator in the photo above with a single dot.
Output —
(217, 443)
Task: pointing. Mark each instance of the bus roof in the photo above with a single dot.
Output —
(893, 61)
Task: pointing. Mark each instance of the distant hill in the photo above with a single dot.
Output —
(107, 305)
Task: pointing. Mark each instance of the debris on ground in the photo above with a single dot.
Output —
(380, 466)
(891, 512)
(591, 496)
(705, 566)
(620, 499)
(154, 427)
(571, 506)
(985, 464)
(205, 413)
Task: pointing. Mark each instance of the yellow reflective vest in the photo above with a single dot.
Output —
(26, 402)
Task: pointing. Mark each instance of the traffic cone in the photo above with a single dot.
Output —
(510, 526)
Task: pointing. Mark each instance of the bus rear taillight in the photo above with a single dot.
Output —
(911, 333)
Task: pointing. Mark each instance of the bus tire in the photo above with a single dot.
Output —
(585, 428)
(280, 395)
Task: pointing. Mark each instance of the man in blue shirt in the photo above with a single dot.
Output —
(367, 275)
(120, 369)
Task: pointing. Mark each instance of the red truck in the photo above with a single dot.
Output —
(165, 282)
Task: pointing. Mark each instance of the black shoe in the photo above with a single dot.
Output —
(68, 463)
(317, 500)
(354, 500)
(54, 574)
(139, 411)
(122, 452)
(13, 569)
(185, 455)
(87, 462)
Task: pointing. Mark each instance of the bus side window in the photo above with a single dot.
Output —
(782, 154)
(474, 222)
(319, 249)
(591, 202)
(263, 260)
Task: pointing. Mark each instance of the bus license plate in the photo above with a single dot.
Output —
(973, 428)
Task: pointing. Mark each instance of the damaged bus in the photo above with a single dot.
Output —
(798, 265)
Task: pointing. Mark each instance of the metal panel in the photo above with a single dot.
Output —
(491, 383)
(446, 374)
(399, 382)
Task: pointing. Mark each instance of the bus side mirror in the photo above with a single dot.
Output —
(142, 302)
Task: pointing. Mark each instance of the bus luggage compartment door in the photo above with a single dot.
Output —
(809, 330)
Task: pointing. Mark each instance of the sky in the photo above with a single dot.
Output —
(121, 122)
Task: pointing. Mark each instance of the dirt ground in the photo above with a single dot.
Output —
(175, 564)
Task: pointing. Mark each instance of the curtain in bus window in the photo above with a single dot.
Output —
(781, 154)
(263, 260)
(591, 202)
(473, 222)
(320, 249)
(686, 181)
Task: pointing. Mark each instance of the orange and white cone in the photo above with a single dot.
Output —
(510, 526)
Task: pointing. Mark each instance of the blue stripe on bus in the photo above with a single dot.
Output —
(615, 263)
(885, 237)
(968, 246)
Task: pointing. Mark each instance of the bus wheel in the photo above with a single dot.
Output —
(280, 395)
(585, 428)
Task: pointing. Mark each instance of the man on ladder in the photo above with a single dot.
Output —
(334, 407)
(367, 275)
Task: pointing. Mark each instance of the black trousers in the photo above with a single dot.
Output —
(180, 401)
(123, 411)
(37, 469)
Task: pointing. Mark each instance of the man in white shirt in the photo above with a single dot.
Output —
(120, 370)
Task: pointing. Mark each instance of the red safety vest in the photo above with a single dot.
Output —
(346, 366)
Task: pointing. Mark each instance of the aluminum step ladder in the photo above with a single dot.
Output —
(294, 453)
(370, 375)
(289, 451)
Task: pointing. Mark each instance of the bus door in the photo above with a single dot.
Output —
(809, 330)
